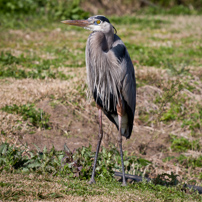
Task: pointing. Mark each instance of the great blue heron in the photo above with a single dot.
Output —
(111, 78)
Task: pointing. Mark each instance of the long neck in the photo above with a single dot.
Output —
(102, 41)
(110, 38)
(101, 66)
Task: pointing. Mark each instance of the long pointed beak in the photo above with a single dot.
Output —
(79, 23)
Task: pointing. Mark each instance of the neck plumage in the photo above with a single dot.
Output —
(101, 41)
(102, 67)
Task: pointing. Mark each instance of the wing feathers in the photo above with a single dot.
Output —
(111, 76)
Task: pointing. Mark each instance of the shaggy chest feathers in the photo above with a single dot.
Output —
(104, 79)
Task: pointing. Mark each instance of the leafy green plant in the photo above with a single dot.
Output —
(189, 161)
(13, 72)
(166, 179)
(194, 120)
(17, 158)
(174, 10)
(38, 73)
(36, 117)
(11, 157)
(151, 23)
(57, 9)
(79, 163)
(44, 161)
(76, 164)
(7, 58)
(73, 165)
(181, 144)
(10, 67)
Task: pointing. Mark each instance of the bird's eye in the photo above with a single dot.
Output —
(97, 22)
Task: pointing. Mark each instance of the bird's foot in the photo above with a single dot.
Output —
(92, 181)
(124, 184)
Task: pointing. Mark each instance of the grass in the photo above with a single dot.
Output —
(28, 112)
(45, 167)
(65, 189)
(182, 144)
(42, 62)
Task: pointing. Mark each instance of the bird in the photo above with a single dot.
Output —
(110, 78)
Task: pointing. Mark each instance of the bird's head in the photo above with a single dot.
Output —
(94, 23)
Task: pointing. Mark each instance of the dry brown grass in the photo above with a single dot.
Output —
(48, 188)
(73, 116)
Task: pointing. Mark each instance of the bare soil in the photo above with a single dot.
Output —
(77, 127)
(73, 117)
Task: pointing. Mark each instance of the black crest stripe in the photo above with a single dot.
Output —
(102, 18)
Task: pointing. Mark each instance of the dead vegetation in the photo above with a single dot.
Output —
(169, 99)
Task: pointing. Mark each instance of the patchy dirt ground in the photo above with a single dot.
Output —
(78, 126)
(73, 116)
(70, 124)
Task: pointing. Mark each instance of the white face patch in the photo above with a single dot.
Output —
(94, 27)
(102, 27)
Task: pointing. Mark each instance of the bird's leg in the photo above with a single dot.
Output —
(121, 151)
(100, 135)
(120, 112)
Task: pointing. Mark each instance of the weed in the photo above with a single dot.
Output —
(168, 158)
(151, 23)
(35, 116)
(182, 144)
(10, 157)
(166, 179)
(7, 58)
(194, 119)
(174, 10)
(76, 165)
(163, 56)
(13, 158)
(177, 71)
(170, 99)
(189, 161)
(44, 161)
(54, 9)
(173, 104)
(144, 116)
(38, 73)
(13, 72)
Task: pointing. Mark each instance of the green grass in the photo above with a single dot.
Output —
(189, 161)
(140, 23)
(165, 56)
(176, 109)
(30, 67)
(65, 163)
(36, 117)
(181, 144)
(174, 10)
(73, 183)
(77, 188)
(167, 62)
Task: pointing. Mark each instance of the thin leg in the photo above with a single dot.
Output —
(121, 151)
(100, 135)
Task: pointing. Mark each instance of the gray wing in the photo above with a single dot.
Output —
(127, 79)
(110, 76)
